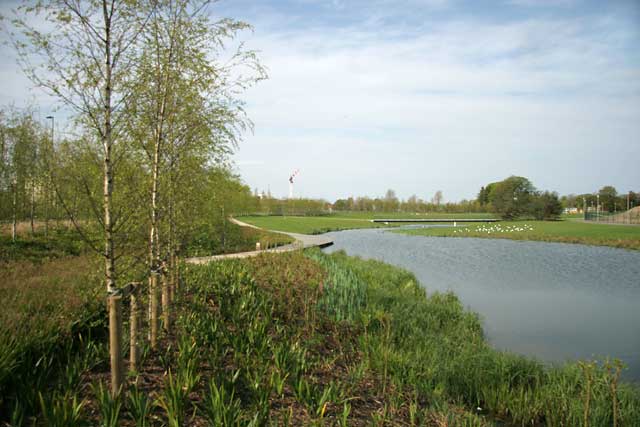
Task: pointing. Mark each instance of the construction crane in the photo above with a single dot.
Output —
(293, 175)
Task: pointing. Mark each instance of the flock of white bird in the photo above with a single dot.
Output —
(497, 228)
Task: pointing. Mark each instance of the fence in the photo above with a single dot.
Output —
(629, 217)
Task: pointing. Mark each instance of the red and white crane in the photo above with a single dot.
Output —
(293, 175)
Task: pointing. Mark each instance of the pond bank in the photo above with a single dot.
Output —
(551, 301)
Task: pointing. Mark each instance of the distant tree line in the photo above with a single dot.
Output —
(512, 198)
(610, 200)
(265, 204)
(391, 203)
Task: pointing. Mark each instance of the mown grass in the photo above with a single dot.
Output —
(343, 221)
(311, 339)
(412, 215)
(619, 236)
(309, 224)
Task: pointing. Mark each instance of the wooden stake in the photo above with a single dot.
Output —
(153, 305)
(165, 302)
(134, 321)
(114, 304)
(172, 285)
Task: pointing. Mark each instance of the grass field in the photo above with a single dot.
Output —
(343, 221)
(409, 215)
(568, 231)
(309, 224)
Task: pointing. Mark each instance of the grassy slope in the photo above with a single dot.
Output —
(618, 236)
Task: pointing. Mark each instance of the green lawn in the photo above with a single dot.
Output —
(308, 224)
(570, 230)
(343, 221)
(405, 215)
(619, 236)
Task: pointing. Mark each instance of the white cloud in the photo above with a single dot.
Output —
(452, 108)
(447, 105)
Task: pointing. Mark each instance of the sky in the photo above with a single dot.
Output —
(425, 95)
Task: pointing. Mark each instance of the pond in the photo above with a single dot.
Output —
(551, 301)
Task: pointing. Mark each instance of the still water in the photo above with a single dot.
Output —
(552, 301)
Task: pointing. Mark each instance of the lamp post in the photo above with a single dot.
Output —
(598, 207)
(46, 216)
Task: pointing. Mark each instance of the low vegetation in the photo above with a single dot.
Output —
(37, 248)
(618, 236)
(52, 329)
(300, 338)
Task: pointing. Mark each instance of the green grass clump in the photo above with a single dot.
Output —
(344, 293)
(619, 236)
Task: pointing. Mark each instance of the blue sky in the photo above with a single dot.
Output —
(427, 95)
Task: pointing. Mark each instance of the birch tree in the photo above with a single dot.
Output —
(83, 54)
(85, 58)
(187, 109)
